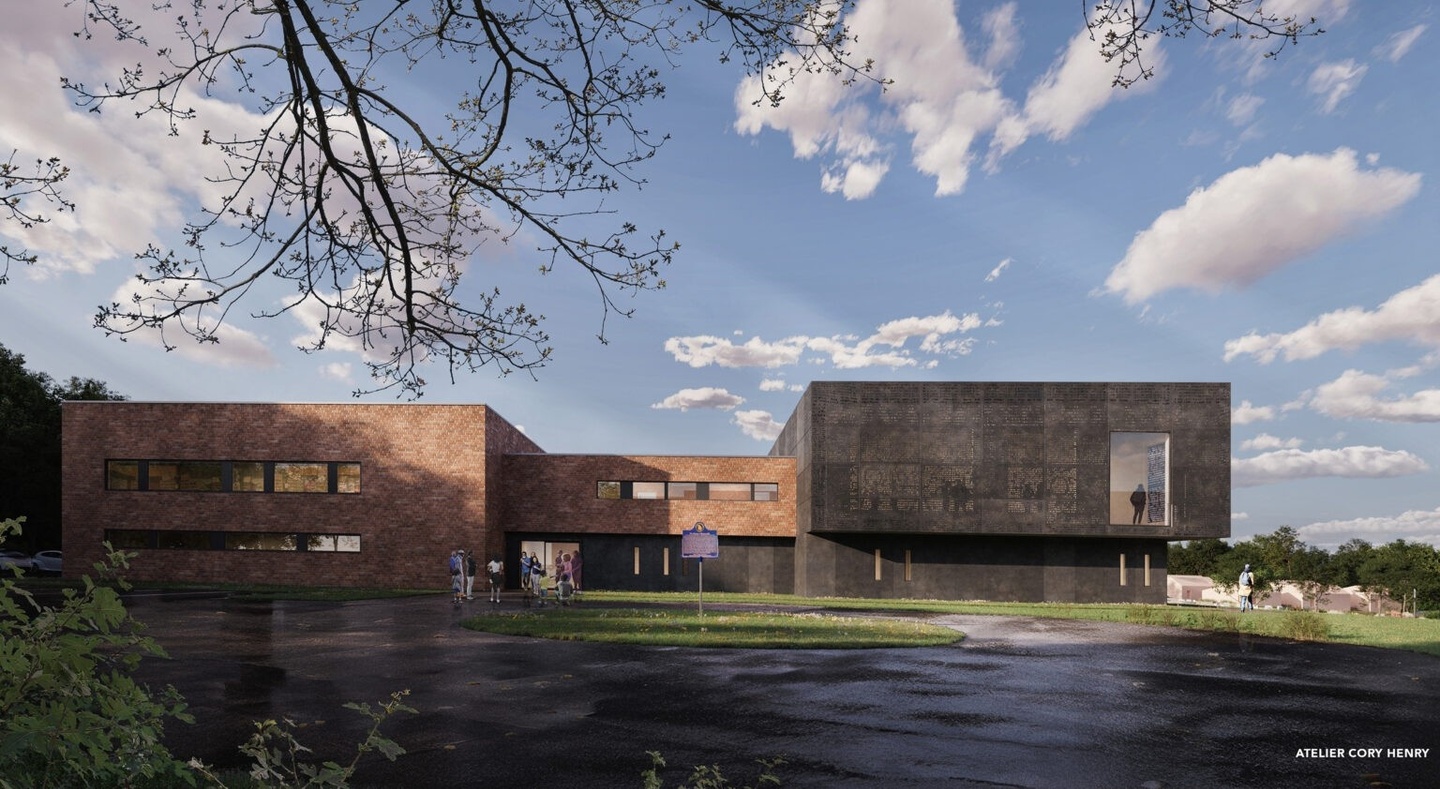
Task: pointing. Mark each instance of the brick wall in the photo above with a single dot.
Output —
(424, 487)
(557, 494)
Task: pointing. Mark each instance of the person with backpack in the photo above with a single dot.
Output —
(1247, 590)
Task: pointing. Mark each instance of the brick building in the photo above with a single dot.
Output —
(999, 491)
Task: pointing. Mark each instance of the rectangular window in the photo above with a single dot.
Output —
(183, 540)
(198, 475)
(730, 491)
(685, 491)
(302, 478)
(878, 564)
(637, 560)
(1147, 569)
(126, 539)
(649, 490)
(607, 490)
(767, 491)
(347, 543)
(1122, 569)
(347, 477)
(666, 564)
(907, 565)
(259, 541)
(122, 475)
(248, 477)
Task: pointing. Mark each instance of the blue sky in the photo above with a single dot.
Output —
(1000, 213)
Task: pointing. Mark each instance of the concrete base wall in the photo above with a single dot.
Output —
(1018, 569)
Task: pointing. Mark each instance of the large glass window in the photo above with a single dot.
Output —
(767, 491)
(183, 540)
(607, 490)
(648, 490)
(347, 477)
(259, 541)
(1140, 479)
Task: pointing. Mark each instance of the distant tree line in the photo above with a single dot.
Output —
(1397, 568)
(30, 445)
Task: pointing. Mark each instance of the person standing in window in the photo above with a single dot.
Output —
(525, 564)
(1137, 500)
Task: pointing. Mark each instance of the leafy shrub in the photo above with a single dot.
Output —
(1305, 626)
(709, 776)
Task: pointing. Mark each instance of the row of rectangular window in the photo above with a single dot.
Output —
(195, 540)
(233, 476)
(689, 491)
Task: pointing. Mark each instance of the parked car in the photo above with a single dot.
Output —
(49, 562)
(9, 559)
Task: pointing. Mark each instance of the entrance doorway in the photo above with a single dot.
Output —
(557, 558)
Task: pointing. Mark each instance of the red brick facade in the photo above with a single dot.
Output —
(428, 486)
(557, 493)
(433, 478)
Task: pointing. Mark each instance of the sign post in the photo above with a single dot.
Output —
(700, 543)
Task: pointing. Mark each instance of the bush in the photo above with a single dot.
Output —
(1305, 626)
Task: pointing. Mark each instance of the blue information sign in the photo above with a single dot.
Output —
(699, 542)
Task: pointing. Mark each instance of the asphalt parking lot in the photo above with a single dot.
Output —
(1019, 702)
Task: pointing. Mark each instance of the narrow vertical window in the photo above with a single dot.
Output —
(877, 564)
(907, 565)
(666, 565)
(1122, 569)
(1147, 569)
(637, 560)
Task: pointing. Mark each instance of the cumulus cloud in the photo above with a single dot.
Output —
(1353, 462)
(1412, 315)
(1413, 525)
(1245, 413)
(942, 97)
(1239, 516)
(703, 397)
(337, 371)
(1265, 441)
(234, 347)
(1216, 240)
(759, 425)
(884, 348)
(1359, 395)
(1334, 82)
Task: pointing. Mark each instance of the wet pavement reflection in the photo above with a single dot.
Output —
(1019, 702)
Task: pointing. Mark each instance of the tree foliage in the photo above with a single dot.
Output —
(21, 187)
(30, 442)
(370, 204)
(1396, 568)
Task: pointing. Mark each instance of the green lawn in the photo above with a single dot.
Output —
(731, 629)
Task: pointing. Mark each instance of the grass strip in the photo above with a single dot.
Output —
(728, 629)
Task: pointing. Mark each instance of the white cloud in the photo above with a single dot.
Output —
(704, 397)
(1239, 516)
(1353, 462)
(998, 270)
(772, 385)
(1255, 220)
(1413, 526)
(1334, 82)
(1399, 45)
(1412, 315)
(1242, 109)
(1245, 413)
(1265, 441)
(759, 425)
(337, 371)
(1357, 395)
(934, 332)
(1004, 37)
(705, 350)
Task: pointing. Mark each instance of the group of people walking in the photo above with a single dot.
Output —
(463, 567)
(533, 576)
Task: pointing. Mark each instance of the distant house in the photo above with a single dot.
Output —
(1003, 491)
(1202, 590)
